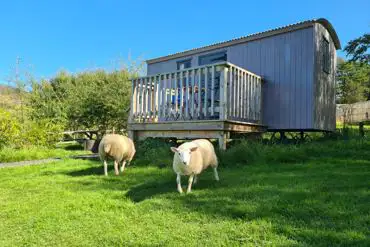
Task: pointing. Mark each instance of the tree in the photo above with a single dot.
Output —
(353, 82)
(88, 100)
(357, 49)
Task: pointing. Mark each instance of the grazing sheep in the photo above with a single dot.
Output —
(191, 158)
(117, 147)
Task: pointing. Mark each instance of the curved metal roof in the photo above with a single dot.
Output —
(255, 36)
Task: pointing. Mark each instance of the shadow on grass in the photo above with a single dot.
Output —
(91, 171)
(151, 189)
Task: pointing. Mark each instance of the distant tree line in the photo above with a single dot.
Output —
(353, 76)
(97, 99)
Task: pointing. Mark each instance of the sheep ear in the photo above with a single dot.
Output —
(193, 149)
(173, 149)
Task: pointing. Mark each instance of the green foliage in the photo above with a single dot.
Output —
(153, 149)
(357, 49)
(353, 80)
(9, 128)
(18, 132)
(322, 201)
(88, 100)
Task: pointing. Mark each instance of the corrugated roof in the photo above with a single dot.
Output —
(259, 35)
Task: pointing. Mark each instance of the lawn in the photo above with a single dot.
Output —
(35, 153)
(315, 194)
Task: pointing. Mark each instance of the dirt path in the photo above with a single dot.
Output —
(37, 162)
(28, 162)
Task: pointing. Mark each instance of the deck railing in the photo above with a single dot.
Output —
(217, 91)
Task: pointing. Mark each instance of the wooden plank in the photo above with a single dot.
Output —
(164, 96)
(181, 93)
(180, 134)
(133, 100)
(179, 125)
(149, 104)
(199, 91)
(187, 94)
(260, 106)
(234, 93)
(223, 94)
(144, 100)
(155, 96)
(230, 91)
(193, 93)
(245, 91)
(249, 97)
(213, 91)
(176, 93)
(238, 94)
(159, 97)
(254, 97)
(205, 111)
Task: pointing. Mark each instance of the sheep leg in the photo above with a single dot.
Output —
(191, 178)
(123, 166)
(216, 173)
(178, 180)
(116, 167)
(195, 179)
(105, 168)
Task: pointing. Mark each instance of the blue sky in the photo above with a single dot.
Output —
(76, 35)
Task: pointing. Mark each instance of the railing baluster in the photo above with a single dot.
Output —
(234, 91)
(230, 97)
(181, 93)
(186, 105)
(255, 98)
(213, 68)
(238, 94)
(223, 93)
(242, 95)
(193, 93)
(246, 95)
(159, 97)
(147, 98)
(199, 91)
(157, 79)
(140, 99)
(146, 80)
(164, 96)
(176, 94)
(206, 92)
(133, 100)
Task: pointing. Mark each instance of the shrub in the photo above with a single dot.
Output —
(9, 128)
(154, 150)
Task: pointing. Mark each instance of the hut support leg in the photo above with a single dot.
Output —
(222, 140)
(131, 135)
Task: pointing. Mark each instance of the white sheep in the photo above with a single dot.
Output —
(117, 147)
(191, 158)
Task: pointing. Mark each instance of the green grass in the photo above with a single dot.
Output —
(314, 194)
(35, 153)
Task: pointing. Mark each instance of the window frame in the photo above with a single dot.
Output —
(325, 55)
(184, 61)
(224, 53)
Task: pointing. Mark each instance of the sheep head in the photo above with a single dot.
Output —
(184, 155)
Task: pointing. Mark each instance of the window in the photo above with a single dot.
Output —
(184, 64)
(326, 59)
(212, 58)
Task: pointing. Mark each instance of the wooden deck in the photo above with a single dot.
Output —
(210, 129)
(209, 101)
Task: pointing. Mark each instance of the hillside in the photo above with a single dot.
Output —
(8, 96)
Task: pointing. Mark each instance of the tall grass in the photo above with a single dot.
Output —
(35, 153)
